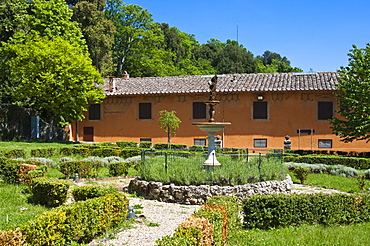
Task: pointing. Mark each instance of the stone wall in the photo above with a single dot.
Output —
(200, 194)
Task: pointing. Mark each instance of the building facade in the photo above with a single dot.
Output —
(262, 110)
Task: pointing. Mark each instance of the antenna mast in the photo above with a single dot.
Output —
(237, 47)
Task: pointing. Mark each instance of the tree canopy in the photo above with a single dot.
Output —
(354, 98)
(169, 122)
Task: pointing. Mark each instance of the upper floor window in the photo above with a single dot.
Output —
(94, 112)
(199, 110)
(325, 110)
(145, 111)
(260, 111)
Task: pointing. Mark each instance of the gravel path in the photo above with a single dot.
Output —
(169, 216)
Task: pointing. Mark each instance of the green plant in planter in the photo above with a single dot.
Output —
(301, 173)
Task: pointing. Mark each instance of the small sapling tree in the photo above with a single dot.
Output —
(169, 122)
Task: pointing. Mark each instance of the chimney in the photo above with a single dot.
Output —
(125, 75)
(112, 84)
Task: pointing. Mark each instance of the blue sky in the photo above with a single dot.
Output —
(315, 34)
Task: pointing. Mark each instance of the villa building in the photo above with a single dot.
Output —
(262, 110)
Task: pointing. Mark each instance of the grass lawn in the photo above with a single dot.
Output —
(331, 181)
(357, 234)
(14, 206)
(32, 144)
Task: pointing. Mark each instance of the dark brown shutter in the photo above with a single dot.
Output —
(259, 110)
(324, 110)
(145, 111)
(199, 110)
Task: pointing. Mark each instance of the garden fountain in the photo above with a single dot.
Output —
(211, 127)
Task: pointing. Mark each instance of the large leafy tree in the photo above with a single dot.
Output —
(354, 98)
(272, 62)
(98, 33)
(48, 64)
(55, 78)
(138, 41)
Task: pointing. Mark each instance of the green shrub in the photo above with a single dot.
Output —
(15, 153)
(9, 170)
(105, 152)
(173, 146)
(45, 152)
(78, 222)
(126, 144)
(83, 168)
(279, 210)
(197, 148)
(11, 238)
(358, 163)
(81, 151)
(301, 173)
(129, 152)
(119, 168)
(145, 145)
(68, 151)
(49, 192)
(83, 193)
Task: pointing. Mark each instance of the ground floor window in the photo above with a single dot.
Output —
(145, 140)
(260, 143)
(201, 142)
(325, 143)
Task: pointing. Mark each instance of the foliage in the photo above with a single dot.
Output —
(145, 145)
(354, 162)
(49, 192)
(187, 169)
(278, 210)
(126, 144)
(82, 168)
(169, 122)
(271, 62)
(55, 78)
(44, 152)
(98, 33)
(338, 170)
(9, 170)
(83, 193)
(301, 173)
(137, 41)
(15, 153)
(11, 238)
(354, 87)
(118, 168)
(78, 222)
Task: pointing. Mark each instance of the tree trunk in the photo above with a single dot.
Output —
(169, 137)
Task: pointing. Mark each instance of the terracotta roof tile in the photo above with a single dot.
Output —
(262, 82)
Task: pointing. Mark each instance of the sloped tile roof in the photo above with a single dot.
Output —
(262, 82)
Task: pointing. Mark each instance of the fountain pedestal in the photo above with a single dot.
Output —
(211, 128)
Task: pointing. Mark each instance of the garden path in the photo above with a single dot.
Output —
(161, 219)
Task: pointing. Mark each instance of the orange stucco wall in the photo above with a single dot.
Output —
(287, 112)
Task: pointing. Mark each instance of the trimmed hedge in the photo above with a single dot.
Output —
(354, 162)
(78, 222)
(83, 193)
(119, 168)
(46, 152)
(9, 170)
(126, 144)
(279, 210)
(130, 152)
(15, 153)
(145, 145)
(83, 168)
(49, 192)
(173, 146)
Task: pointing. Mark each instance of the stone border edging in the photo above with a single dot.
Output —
(199, 194)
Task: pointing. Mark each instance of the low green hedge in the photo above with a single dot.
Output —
(126, 144)
(173, 146)
(78, 222)
(119, 168)
(49, 192)
(145, 145)
(357, 163)
(45, 152)
(279, 210)
(15, 153)
(129, 152)
(82, 193)
(83, 168)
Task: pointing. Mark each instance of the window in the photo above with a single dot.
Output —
(324, 110)
(201, 142)
(145, 140)
(260, 143)
(260, 110)
(94, 112)
(199, 110)
(325, 143)
(145, 111)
